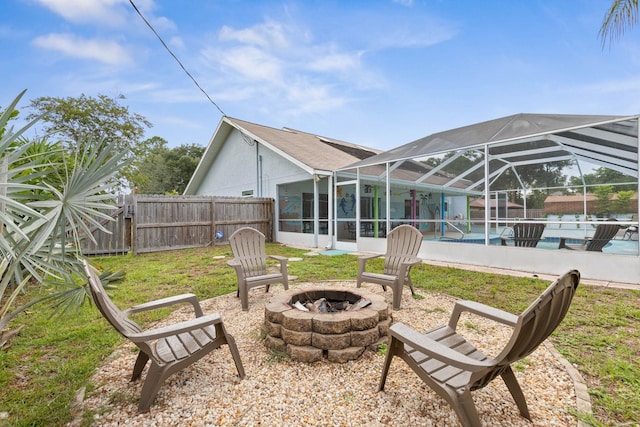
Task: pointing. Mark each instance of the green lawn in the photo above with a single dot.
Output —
(54, 356)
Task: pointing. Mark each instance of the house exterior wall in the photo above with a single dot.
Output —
(240, 167)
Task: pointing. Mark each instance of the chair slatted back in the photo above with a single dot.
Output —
(248, 246)
(604, 233)
(542, 317)
(534, 325)
(109, 310)
(403, 244)
(527, 234)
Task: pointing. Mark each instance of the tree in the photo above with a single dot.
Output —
(537, 176)
(167, 170)
(48, 202)
(621, 14)
(78, 121)
(623, 202)
(605, 176)
(603, 200)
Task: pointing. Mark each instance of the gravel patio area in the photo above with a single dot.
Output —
(279, 392)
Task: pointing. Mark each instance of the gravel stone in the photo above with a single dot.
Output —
(283, 392)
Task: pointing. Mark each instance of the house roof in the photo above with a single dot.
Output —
(313, 153)
(479, 203)
(609, 141)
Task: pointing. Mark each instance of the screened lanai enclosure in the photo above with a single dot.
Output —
(466, 188)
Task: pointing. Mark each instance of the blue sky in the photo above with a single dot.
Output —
(375, 73)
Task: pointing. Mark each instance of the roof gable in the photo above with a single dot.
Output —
(310, 152)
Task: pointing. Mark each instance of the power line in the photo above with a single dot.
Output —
(176, 58)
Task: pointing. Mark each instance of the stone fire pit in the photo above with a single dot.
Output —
(339, 336)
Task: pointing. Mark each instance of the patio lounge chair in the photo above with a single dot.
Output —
(604, 233)
(250, 263)
(631, 230)
(525, 234)
(403, 244)
(453, 367)
(170, 348)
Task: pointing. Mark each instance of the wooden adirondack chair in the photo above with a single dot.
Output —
(170, 348)
(453, 367)
(250, 263)
(525, 234)
(604, 233)
(403, 244)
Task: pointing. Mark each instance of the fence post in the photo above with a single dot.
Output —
(213, 221)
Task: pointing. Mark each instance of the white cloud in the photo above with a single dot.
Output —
(336, 62)
(252, 63)
(110, 12)
(105, 51)
(284, 68)
(176, 42)
(268, 35)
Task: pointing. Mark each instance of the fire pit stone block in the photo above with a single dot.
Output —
(337, 323)
(364, 319)
(364, 338)
(299, 321)
(272, 329)
(344, 355)
(296, 338)
(331, 342)
(306, 354)
(275, 343)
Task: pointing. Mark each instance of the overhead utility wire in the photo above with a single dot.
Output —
(176, 58)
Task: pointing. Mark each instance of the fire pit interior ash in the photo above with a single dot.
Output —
(333, 323)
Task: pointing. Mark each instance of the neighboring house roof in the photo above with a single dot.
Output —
(479, 203)
(313, 153)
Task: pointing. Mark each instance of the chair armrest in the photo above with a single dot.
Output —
(432, 348)
(412, 262)
(176, 328)
(165, 302)
(368, 257)
(362, 261)
(283, 263)
(563, 243)
(483, 310)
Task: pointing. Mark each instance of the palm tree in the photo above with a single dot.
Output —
(621, 14)
(48, 202)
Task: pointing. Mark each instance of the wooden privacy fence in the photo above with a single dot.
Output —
(145, 223)
(176, 222)
(118, 240)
